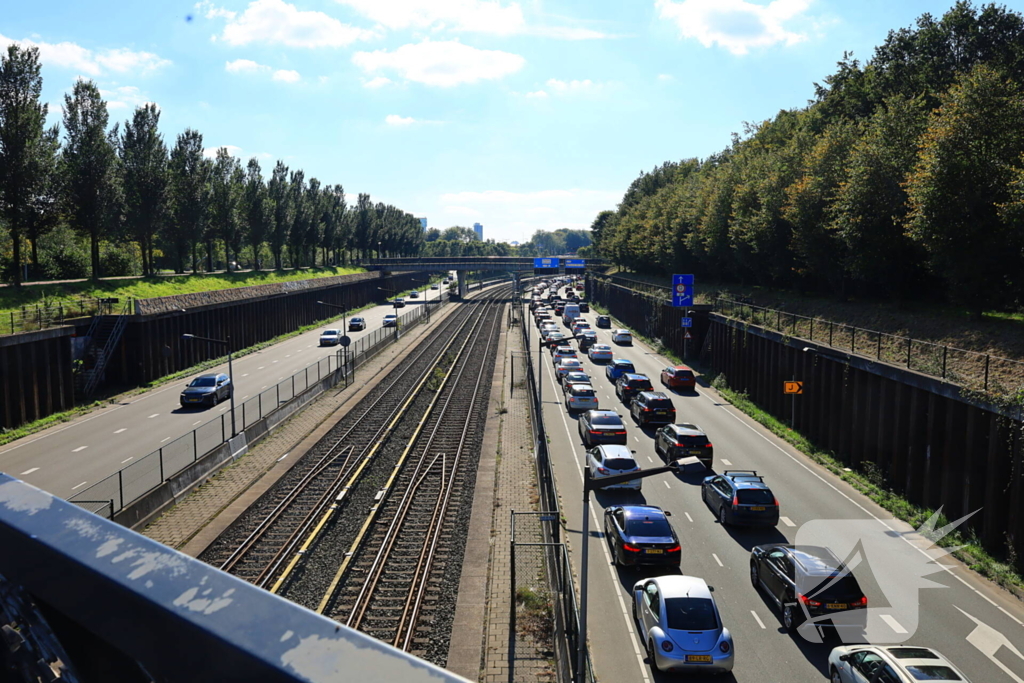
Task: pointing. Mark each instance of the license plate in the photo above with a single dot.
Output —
(757, 509)
(699, 659)
(837, 605)
(660, 412)
(654, 551)
(694, 452)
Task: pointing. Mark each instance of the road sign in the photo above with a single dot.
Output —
(687, 335)
(790, 387)
(345, 340)
(682, 290)
(545, 263)
(575, 263)
(687, 322)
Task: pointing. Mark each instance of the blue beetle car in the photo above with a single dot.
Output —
(617, 368)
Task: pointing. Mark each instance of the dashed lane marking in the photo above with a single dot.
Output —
(688, 516)
(34, 469)
(667, 485)
(717, 560)
(787, 521)
(196, 422)
(79, 486)
(726, 463)
(130, 458)
(757, 619)
(245, 375)
(80, 448)
(166, 439)
(154, 415)
(122, 429)
(261, 367)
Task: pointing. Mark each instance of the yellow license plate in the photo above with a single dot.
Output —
(758, 509)
(654, 551)
(837, 605)
(699, 659)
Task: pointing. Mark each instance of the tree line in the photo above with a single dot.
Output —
(461, 241)
(135, 202)
(903, 178)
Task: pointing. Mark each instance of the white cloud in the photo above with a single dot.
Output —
(664, 77)
(537, 94)
(584, 87)
(736, 25)
(244, 66)
(287, 75)
(123, 97)
(502, 212)
(277, 22)
(85, 61)
(378, 82)
(211, 152)
(396, 120)
(442, 63)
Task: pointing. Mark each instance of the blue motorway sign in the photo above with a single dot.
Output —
(682, 290)
(575, 263)
(545, 263)
(687, 322)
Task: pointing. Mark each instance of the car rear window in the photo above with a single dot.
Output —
(912, 653)
(627, 367)
(698, 441)
(684, 374)
(641, 384)
(691, 614)
(648, 527)
(660, 403)
(755, 497)
(582, 392)
(620, 463)
(607, 420)
(930, 672)
(843, 589)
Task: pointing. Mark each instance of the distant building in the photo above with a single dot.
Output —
(479, 230)
(423, 223)
(514, 243)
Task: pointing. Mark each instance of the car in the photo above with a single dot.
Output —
(446, 281)
(565, 366)
(600, 352)
(559, 308)
(810, 584)
(629, 384)
(640, 535)
(356, 324)
(330, 337)
(601, 426)
(414, 294)
(740, 497)
(580, 396)
(680, 625)
(575, 377)
(548, 326)
(612, 459)
(587, 338)
(652, 407)
(685, 440)
(678, 377)
(603, 321)
(557, 339)
(617, 368)
(578, 326)
(584, 306)
(434, 286)
(890, 664)
(563, 353)
(622, 337)
(207, 390)
(390, 320)
(542, 317)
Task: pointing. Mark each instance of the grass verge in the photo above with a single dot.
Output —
(9, 435)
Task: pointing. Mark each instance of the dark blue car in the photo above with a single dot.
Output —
(741, 497)
(641, 535)
(617, 368)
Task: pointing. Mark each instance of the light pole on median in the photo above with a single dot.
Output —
(591, 484)
(231, 377)
(344, 333)
(394, 303)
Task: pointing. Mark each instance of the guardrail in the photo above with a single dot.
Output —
(129, 484)
(31, 318)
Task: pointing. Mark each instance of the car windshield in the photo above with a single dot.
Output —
(691, 614)
(204, 382)
(620, 463)
(330, 332)
(606, 420)
(699, 441)
(755, 497)
(931, 672)
(648, 527)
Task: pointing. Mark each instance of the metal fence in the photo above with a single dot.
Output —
(30, 318)
(111, 495)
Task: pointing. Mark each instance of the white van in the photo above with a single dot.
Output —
(570, 313)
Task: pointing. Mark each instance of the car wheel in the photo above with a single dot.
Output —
(721, 516)
(650, 656)
(833, 672)
(755, 578)
(790, 618)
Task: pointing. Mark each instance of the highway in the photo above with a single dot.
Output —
(977, 625)
(68, 457)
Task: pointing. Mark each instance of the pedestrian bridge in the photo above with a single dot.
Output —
(465, 263)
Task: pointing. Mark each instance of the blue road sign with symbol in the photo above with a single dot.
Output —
(545, 263)
(575, 263)
(687, 322)
(682, 290)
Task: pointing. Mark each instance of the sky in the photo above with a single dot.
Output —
(520, 115)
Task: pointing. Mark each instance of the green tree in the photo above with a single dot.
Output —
(189, 176)
(144, 179)
(277, 190)
(257, 210)
(227, 182)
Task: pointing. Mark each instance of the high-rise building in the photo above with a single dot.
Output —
(423, 223)
(479, 230)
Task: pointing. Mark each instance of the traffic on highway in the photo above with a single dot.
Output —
(752, 563)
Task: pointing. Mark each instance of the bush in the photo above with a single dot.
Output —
(120, 259)
(63, 255)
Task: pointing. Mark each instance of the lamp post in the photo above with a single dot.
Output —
(231, 377)
(394, 303)
(378, 250)
(591, 484)
(426, 294)
(344, 332)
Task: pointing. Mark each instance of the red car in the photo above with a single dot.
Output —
(678, 377)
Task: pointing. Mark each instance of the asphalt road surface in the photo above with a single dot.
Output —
(69, 457)
(978, 626)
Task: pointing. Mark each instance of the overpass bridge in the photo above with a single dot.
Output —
(549, 265)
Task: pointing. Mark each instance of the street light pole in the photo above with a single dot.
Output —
(344, 333)
(231, 374)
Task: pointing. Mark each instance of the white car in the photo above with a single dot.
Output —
(581, 397)
(563, 353)
(565, 366)
(390, 320)
(890, 663)
(622, 337)
(610, 459)
(578, 327)
(601, 352)
(330, 337)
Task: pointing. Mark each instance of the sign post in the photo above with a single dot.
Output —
(792, 387)
(687, 323)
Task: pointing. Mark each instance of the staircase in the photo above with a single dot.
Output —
(104, 334)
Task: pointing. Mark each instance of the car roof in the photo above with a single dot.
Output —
(355, 318)
(676, 586)
(621, 331)
(682, 367)
(568, 362)
(605, 413)
(601, 347)
(621, 360)
(641, 511)
(687, 429)
(636, 375)
(582, 385)
(814, 559)
(331, 331)
(904, 662)
(653, 394)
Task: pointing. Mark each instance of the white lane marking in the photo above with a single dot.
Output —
(717, 560)
(893, 624)
(757, 619)
(223, 409)
(284, 456)
(863, 509)
(650, 459)
(286, 356)
(79, 486)
(245, 397)
(34, 469)
(726, 463)
(80, 448)
(264, 387)
(122, 429)
(167, 439)
(131, 458)
(688, 516)
(245, 375)
(261, 367)
(154, 415)
(274, 361)
(196, 422)
(787, 521)
(667, 485)
(636, 439)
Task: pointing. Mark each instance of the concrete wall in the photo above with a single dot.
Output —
(35, 375)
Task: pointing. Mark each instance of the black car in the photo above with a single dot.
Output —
(652, 407)
(356, 324)
(641, 535)
(740, 497)
(809, 583)
(584, 306)
(630, 384)
(398, 303)
(604, 321)
(685, 440)
(601, 426)
(206, 390)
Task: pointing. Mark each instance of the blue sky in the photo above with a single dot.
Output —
(522, 115)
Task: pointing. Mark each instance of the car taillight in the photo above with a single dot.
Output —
(647, 410)
(630, 548)
(666, 645)
(602, 470)
(707, 445)
(619, 433)
(724, 646)
(594, 432)
(863, 602)
(735, 502)
(674, 549)
(679, 445)
(807, 601)
(776, 502)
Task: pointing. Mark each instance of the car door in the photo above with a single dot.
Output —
(222, 388)
(615, 532)
(720, 488)
(863, 666)
(651, 607)
(596, 460)
(774, 572)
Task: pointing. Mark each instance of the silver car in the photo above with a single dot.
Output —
(680, 625)
(609, 460)
(896, 663)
